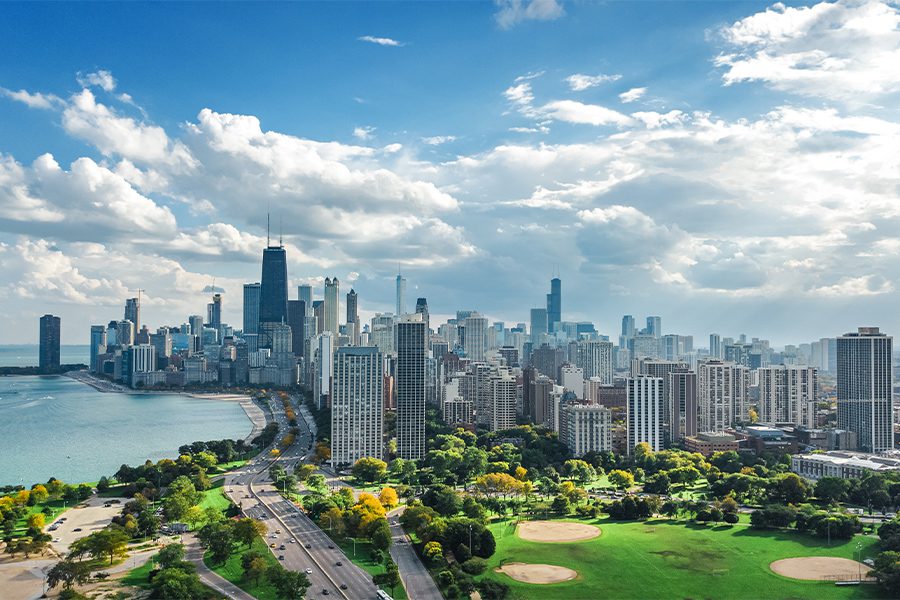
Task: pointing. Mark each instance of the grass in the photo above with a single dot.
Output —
(674, 559)
(215, 497)
(363, 560)
(140, 577)
(233, 572)
(56, 506)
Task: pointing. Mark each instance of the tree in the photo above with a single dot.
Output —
(303, 470)
(443, 499)
(39, 494)
(218, 538)
(381, 536)
(254, 565)
(110, 542)
(560, 505)
(621, 479)
(316, 483)
(36, 521)
(789, 488)
(492, 590)
(390, 578)
(433, 552)
(290, 585)
(388, 497)
(657, 484)
(171, 555)
(887, 572)
(369, 469)
(832, 489)
(579, 470)
(68, 573)
(247, 530)
(178, 583)
(474, 566)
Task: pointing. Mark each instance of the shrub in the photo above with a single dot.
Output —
(474, 566)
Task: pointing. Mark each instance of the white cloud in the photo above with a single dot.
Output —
(579, 82)
(513, 12)
(572, 111)
(33, 100)
(102, 79)
(851, 287)
(437, 140)
(381, 41)
(363, 133)
(632, 95)
(840, 50)
(393, 148)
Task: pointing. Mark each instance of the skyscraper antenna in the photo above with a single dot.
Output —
(268, 228)
(280, 237)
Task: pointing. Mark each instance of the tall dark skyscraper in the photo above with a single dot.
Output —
(410, 345)
(49, 352)
(864, 388)
(133, 312)
(554, 304)
(214, 312)
(297, 320)
(352, 307)
(273, 288)
(251, 308)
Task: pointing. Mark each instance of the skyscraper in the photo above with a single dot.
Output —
(98, 346)
(723, 394)
(353, 325)
(476, 337)
(654, 326)
(273, 294)
(864, 394)
(332, 308)
(133, 312)
(681, 404)
(304, 292)
(251, 308)
(644, 412)
(48, 359)
(410, 345)
(401, 295)
(538, 325)
(422, 309)
(596, 360)
(297, 321)
(554, 304)
(214, 312)
(356, 405)
(788, 394)
(715, 346)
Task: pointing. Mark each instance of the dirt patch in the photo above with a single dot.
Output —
(540, 574)
(820, 568)
(556, 531)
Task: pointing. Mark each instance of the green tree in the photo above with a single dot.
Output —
(218, 538)
(433, 552)
(254, 565)
(171, 555)
(832, 489)
(247, 530)
(381, 536)
(369, 469)
(303, 470)
(179, 583)
(110, 542)
(290, 585)
(788, 488)
(579, 470)
(887, 573)
(444, 499)
(621, 479)
(390, 578)
(68, 573)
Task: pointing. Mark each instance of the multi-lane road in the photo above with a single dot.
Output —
(298, 542)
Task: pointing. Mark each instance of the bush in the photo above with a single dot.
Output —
(493, 590)
(731, 518)
(474, 566)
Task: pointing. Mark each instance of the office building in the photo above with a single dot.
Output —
(410, 377)
(715, 346)
(133, 312)
(196, 324)
(654, 326)
(332, 307)
(554, 305)
(476, 337)
(273, 294)
(297, 322)
(681, 404)
(864, 388)
(644, 412)
(572, 378)
(538, 325)
(595, 358)
(356, 405)
(503, 389)
(305, 293)
(400, 308)
(214, 313)
(48, 359)
(788, 394)
(98, 346)
(353, 326)
(251, 308)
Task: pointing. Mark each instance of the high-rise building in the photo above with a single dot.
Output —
(654, 326)
(588, 428)
(304, 292)
(356, 405)
(273, 294)
(723, 395)
(133, 312)
(572, 378)
(538, 325)
(332, 307)
(196, 324)
(251, 308)
(644, 410)
(595, 358)
(476, 337)
(503, 400)
(297, 321)
(864, 388)
(715, 346)
(401, 296)
(422, 309)
(125, 333)
(48, 359)
(788, 394)
(554, 304)
(681, 403)
(98, 346)
(214, 312)
(354, 327)
(411, 350)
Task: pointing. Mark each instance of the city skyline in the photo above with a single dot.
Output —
(701, 181)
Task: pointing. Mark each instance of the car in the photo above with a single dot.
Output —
(308, 571)
(308, 545)
(339, 564)
(281, 547)
(281, 557)
(290, 541)
(272, 545)
(274, 536)
(325, 592)
(331, 546)
(107, 505)
(77, 529)
(57, 540)
(115, 501)
(343, 586)
(278, 531)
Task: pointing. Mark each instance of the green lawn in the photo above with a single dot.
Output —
(233, 572)
(55, 505)
(215, 497)
(674, 559)
(139, 577)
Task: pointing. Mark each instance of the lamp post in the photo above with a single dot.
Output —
(859, 559)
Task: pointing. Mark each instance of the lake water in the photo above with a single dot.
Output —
(26, 355)
(55, 426)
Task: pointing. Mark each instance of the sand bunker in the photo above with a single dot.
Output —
(556, 531)
(820, 568)
(528, 573)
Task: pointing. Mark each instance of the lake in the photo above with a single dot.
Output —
(27, 355)
(55, 426)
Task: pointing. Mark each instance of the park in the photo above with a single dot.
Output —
(666, 558)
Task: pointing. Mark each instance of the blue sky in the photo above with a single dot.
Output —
(731, 166)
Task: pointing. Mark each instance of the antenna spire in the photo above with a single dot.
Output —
(280, 236)
(268, 229)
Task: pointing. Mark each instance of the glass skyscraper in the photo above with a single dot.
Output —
(273, 294)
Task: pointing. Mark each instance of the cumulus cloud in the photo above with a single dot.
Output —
(33, 100)
(102, 79)
(579, 82)
(632, 95)
(437, 140)
(572, 111)
(381, 41)
(363, 133)
(512, 12)
(840, 50)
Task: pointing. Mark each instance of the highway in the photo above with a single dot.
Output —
(303, 546)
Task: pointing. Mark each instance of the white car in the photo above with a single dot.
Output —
(309, 571)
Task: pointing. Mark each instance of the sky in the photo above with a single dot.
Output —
(732, 167)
